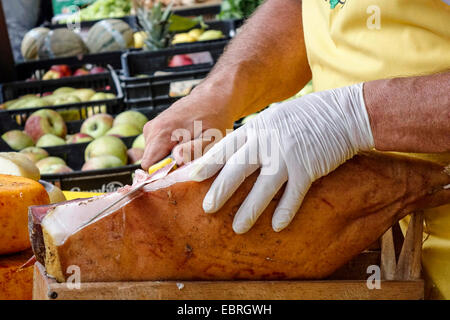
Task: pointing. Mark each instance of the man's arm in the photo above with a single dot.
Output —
(265, 63)
(410, 114)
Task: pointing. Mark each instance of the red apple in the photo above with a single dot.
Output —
(96, 70)
(43, 122)
(51, 75)
(80, 138)
(63, 69)
(180, 60)
(80, 72)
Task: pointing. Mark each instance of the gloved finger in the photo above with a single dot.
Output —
(237, 168)
(289, 203)
(218, 155)
(263, 191)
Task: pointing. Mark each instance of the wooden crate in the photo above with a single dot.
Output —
(398, 258)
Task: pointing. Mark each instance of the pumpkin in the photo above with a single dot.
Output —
(109, 35)
(61, 43)
(29, 46)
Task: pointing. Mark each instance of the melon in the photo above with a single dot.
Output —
(29, 47)
(109, 35)
(61, 43)
(16, 195)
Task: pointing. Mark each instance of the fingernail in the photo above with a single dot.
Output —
(281, 219)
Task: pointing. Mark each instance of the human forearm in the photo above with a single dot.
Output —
(265, 63)
(410, 114)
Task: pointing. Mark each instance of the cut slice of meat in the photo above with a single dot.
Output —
(163, 234)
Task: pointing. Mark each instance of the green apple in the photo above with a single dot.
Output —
(97, 125)
(55, 169)
(102, 162)
(83, 94)
(139, 142)
(124, 130)
(64, 90)
(63, 99)
(132, 117)
(106, 145)
(34, 153)
(50, 140)
(99, 96)
(45, 163)
(17, 139)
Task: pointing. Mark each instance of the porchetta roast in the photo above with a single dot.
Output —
(163, 233)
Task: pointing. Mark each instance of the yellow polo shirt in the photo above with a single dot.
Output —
(352, 41)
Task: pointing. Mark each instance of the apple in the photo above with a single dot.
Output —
(139, 142)
(106, 145)
(180, 60)
(83, 94)
(45, 121)
(62, 69)
(99, 96)
(102, 162)
(80, 72)
(55, 169)
(50, 140)
(66, 99)
(97, 125)
(17, 164)
(17, 139)
(132, 117)
(44, 164)
(34, 153)
(135, 154)
(96, 70)
(124, 130)
(51, 75)
(79, 138)
(64, 90)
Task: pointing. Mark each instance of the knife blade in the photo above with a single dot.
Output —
(157, 171)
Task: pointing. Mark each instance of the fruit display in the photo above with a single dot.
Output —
(101, 132)
(61, 96)
(197, 35)
(109, 35)
(63, 70)
(102, 9)
(60, 43)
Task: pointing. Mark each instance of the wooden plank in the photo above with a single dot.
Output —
(409, 262)
(388, 261)
(48, 289)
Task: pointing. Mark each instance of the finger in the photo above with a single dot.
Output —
(265, 188)
(237, 168)
(191, 150)
(289, 203)
(157, 143)
(215, 158)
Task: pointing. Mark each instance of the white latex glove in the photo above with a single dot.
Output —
(297, 141)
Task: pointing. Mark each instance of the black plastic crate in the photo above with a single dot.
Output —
(157, 86)
(148, 62)
(131, 20)
(208, 12)
(27, 69)
(104, 82)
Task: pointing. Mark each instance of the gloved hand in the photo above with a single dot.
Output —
(297, 141)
